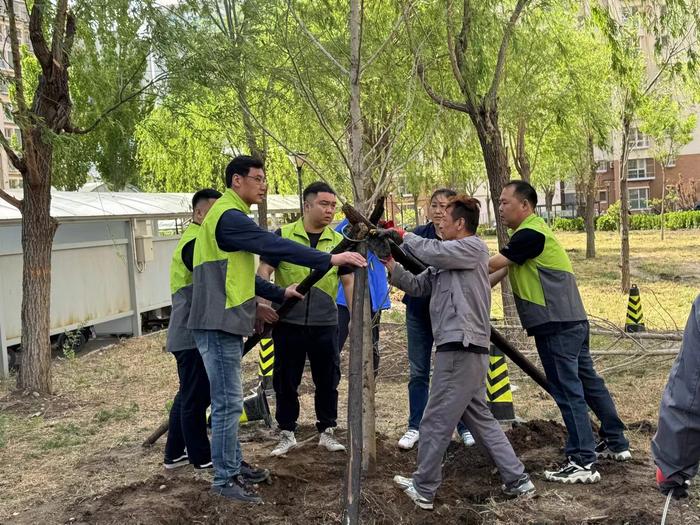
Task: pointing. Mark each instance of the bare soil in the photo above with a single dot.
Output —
(80, 459)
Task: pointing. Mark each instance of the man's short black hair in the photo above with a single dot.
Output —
(241, 165)
(205, 194)
(445, 192)
(315, 188)
(524, 191)
(467, 208)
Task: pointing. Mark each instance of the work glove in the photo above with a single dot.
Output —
(675, 484)
(394, 234)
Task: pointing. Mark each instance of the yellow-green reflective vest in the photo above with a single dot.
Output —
(223, 295)
(545, 287)
(179, 336)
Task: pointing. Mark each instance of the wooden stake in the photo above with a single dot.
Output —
(369, 438)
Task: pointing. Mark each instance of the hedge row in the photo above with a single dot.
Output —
(675, 220)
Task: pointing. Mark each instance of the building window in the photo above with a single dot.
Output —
(603, 196)
(601, 166)
(637, 139)
(639, 198)
(15, 183)
(640, 169)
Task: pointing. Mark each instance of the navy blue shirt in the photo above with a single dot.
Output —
(236, 231)
(420, 306)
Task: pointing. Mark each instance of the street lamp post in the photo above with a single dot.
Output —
(298, 159)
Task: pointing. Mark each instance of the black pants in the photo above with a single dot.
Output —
(343, 332)
(188, 415)
(293, 343)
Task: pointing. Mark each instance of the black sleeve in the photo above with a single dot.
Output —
(235, 231)
(345, 270)
(523, 245)
(271, 260)
(268, 290)
(187, 255)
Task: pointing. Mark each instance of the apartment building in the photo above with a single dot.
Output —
(10, 178)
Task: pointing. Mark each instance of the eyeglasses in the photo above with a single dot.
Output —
(260, 180)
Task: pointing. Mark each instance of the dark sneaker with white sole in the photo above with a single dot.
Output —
(171, 464)
(237, 489)
(253, 474)
(603, 452)
(203, 466)
(572, 472)
(521, 486)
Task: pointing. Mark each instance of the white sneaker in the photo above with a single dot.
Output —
(286, 443)
(409, 439)
(327, 439)
(468, 439)
(406, 484)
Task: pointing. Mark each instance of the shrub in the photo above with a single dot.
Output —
(569, 225)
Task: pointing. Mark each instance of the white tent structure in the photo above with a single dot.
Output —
(110, 259)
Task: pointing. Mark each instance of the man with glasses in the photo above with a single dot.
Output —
(224, 309)
(311, 327)
(420, 335)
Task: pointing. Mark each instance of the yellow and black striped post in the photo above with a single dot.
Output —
(635, 317)
(498, 393)
(266, 363)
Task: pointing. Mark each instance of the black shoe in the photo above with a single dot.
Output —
(603, 452)
(252, 474)
(236, 489)
(171, 464)
(521, 486)
(572, 472)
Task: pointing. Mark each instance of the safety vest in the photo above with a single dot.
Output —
(179, 336)
(288, 273)
(223, 295)
(545, 287)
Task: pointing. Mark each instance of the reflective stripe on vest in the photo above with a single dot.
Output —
(223, 296)
(288, 273)
(180, 276)
(545, 287)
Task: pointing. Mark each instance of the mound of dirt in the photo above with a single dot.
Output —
(307, 487)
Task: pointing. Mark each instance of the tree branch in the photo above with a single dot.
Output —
(69, 39)
(17, 162)
(438, 99)
(59, 30)
(36, 34)
(82, 131)
(388, 39)
(452, 47)
(17, 203)
(313, 39)
(17, 59)
(501, 62)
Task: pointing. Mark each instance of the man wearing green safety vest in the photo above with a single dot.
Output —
(311, 328)
(187, 430)
(224, 310)
(551, 310)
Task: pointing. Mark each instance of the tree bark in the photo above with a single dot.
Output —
(590, 201)
(38, 228)
(522, 163)
(663, 197)
(369, 441)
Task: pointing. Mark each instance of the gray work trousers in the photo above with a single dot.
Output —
(458, 390)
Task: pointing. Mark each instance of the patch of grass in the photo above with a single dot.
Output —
(65, 435)
(120, 413)
(4, 423)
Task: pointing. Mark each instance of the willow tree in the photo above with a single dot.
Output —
(42, 119)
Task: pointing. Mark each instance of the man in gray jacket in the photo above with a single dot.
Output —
(457, 282)
(676, 445)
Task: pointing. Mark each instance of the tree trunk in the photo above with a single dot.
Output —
(663, 197)
(38, 228)
(369, 441)
(498, 171)
(624, 210)
(522, 163)
(590, 189)
(548, 203)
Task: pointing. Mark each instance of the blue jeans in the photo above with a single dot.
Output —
(576, 386)
(221, 353)
(420, 345)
